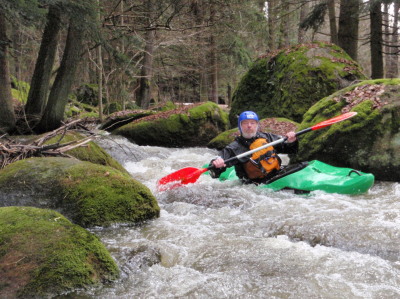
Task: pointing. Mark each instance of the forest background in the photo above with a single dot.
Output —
(140, 53)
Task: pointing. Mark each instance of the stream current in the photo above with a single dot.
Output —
(227, 240)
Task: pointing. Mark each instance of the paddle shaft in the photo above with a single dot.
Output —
(281, 140)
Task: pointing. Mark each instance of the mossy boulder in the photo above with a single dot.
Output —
(193, 125)
(88, 94)
(76, 109)
(112, 108)
(370, 141)
(286, 82)
(90, 152)
(279, 126)
(88, 194)
(43, 254)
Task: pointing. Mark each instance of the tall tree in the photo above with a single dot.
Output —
(272, 15)
(332, 21)
(348, 26)
(7, 117)
(304, 10)
(213, 57)
(147, 67)
(40, 83)
(376, 40)
(54, 112)
(392, 61)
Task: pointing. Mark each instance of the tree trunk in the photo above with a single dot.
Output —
(284, 24)
(100, 74)
(147, 68)
(7, 117)
(213, 59)
(100, 81)
(303, 14)
(272, 24)
(348, 26)
(376, 40)
(392, 66)
(54, 112)
(332, 22)
(40, 83)
(198, 12)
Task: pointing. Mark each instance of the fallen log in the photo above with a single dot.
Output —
(12, 151)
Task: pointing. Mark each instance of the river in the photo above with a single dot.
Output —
(226, 240)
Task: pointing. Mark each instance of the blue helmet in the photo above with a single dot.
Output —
(246, 115)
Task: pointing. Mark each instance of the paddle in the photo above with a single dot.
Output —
(190, 174)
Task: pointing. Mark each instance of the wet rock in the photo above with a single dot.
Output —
(370, 141)
(86, 193)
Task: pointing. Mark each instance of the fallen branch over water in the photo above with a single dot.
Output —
(12, 151)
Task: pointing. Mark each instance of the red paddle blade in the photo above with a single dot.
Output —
(333, 120)
(181, 177)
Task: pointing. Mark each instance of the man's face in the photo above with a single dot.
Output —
(249, 128)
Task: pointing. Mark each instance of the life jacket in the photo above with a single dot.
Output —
(262, 162)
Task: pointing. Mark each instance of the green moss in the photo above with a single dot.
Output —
(50, 254)
(90, 152)
(185, 127)
(169, 105)
(223, 139)
(88, 194)
(19, 90)
(288, 82)
(104, 196)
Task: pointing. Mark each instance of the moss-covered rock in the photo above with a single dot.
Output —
(287, 82)
(86, 193)
(88, 94)
(76, 109)
(279, 126)
(370, 141)
(112, 108)
(19, 90)
(193, 125)
(43, 254)
(90, 152)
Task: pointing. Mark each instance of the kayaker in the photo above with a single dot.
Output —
(260, 166)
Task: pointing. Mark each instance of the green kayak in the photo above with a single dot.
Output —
(315, 175)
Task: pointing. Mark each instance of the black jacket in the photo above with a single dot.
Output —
(241, 145)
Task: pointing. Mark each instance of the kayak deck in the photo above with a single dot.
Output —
(316, 175)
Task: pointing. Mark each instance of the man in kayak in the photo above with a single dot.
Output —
(260, 166)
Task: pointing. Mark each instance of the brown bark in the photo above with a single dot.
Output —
(376, 40)
(332, 22)
(7, 117)
(303, 14)
(147, 67)
(392, 62)
(213, 60)
(348, 27)
(272, 24)
(54, 112)
(40, 83)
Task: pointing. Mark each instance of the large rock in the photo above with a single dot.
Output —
(285, 83)
(193, 125)
(43, 255)
(86, 193)
(370, 141)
